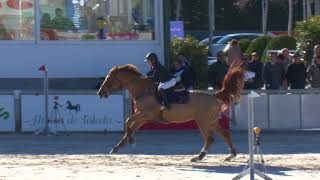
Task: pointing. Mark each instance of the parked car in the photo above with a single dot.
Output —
(223, 43)
(215, 39)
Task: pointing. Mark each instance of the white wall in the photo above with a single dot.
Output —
(22, 61)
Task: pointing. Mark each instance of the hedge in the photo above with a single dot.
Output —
(258, 45)
(278, 43)
(195, 53)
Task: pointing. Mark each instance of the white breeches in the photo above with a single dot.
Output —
(168, 84)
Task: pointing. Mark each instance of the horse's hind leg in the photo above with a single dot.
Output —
(226, 136)
(208, 140)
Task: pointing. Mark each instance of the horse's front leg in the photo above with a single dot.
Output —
(127, 138)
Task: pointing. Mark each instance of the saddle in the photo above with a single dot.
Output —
(176, 95)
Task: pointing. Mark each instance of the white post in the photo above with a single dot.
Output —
(45, 130)
(144, 11)
(37, 20)
(250, 135)
(251, 170)
(45, 92)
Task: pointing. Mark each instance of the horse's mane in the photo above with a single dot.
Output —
(129, 67)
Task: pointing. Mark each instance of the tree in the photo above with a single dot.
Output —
(317, 7)
(308, 35)
(178, 10)
(309, 12)
(290, 17)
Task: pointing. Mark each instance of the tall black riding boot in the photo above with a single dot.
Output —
(165, 101)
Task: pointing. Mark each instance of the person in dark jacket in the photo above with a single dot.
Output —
(179, 72)
(189, 74)
(256, 66)
(217, 71)
(273, 72)
(161, 75)
(296, 73)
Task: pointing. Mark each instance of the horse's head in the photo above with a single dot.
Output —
(110, 84)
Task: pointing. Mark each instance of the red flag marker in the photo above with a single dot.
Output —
(43, 68)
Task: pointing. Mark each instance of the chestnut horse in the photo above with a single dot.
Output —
(202, 107)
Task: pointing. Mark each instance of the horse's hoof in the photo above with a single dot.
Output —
(229, 158)
(195, 159)
(113, 151)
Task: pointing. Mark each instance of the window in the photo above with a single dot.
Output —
(16, 20)
(97, 19)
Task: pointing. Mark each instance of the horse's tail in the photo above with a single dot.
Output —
(232, 84)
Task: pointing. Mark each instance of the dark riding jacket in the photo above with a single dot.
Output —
(159, 73)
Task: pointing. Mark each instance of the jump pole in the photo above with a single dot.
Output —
(46, 130)
(251, 170)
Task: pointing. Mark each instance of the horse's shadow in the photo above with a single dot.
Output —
(224, 169)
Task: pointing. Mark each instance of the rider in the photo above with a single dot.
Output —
(162, 76)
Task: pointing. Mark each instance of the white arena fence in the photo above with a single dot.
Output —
(79, 111)
(84, 111)
(280, 110)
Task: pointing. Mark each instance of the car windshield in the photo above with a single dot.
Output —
(225, 39)
(214, 40)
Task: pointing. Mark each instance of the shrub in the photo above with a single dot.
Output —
(88, 37)
(244, 44)
(195, 53)
(278, 43)
(258, 45)
(308, 35)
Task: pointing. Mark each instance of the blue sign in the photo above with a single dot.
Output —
(176, 29)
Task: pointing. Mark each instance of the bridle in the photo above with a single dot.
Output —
(132, 80)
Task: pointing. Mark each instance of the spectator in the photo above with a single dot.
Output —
(313, 73)
(189, 74)
(217, 71)
(179, 73)
(296, 74)
(255, 65)
(273, 73)
(286, 59)
(316, 52)
(233, 52)
(245, 58)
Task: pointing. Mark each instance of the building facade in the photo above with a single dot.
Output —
(77, 38)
